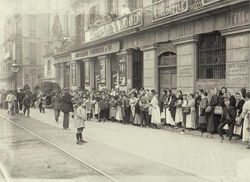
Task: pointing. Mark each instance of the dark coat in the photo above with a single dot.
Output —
(27, 101)
(240, 106)
(231, 112)
(67, 105)
(56, 102)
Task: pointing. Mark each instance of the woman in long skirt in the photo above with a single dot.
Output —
(113, 108)
(132, 102)
(210, 119)
(120, 110)
(156, 115)
(202, 108)
(239, 105)
(246, 116)
(190, 118)
(178, 113)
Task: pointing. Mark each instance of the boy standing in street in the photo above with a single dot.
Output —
(80, 118)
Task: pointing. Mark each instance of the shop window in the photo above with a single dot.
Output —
(134, 4)
(211, 56)
(87, 72)
(73, 74)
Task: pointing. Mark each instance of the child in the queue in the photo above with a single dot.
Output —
(89, 106)
(228, 117)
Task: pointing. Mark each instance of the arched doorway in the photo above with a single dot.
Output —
(167, 65)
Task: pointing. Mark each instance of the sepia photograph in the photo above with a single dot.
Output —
(124, 90)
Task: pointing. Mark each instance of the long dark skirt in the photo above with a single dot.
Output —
(213, 121)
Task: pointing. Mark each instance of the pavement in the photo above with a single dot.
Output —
(132, 153)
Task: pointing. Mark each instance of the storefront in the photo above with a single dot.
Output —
(198, 44)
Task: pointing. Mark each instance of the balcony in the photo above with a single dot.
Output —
(118, 25)
(160, 13)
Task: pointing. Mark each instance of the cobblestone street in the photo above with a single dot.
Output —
(214, 160)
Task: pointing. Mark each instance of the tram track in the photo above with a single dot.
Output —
(4, 175)
(55, 147)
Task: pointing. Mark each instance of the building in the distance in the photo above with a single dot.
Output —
(28, 38)
(178, 44)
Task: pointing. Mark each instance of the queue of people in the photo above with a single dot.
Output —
(216, 112)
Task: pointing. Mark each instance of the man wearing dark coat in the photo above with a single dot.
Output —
(56, 104)
(20, 97)
(67, 107)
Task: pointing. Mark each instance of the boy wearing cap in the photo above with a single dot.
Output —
(80, 118)
(228, 117)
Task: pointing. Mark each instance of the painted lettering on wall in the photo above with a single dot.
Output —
(169, 8)
(118, 25)
(97, 51)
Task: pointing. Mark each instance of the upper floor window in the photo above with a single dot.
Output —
(93, 14)
(32, 26)
(212, 56)
(49, 65)
(32, 53)
(154, 1)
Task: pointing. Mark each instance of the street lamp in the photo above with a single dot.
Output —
(15, 68)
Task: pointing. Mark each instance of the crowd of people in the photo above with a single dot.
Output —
(215, 112)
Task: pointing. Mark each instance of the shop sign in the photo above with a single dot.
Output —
(118, 25)
(97, 51)
(164, 9)
(167, 8)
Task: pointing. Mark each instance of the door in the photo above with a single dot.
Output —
(167, 71)
(137, 69)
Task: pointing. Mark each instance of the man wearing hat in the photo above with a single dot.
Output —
(66, 108)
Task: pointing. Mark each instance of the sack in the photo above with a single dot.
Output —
(218, 110)
(238, 121)
(186, 110)
(208, 109)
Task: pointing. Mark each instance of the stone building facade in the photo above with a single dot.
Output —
(182, 44)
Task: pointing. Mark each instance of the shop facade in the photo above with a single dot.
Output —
(201, 44)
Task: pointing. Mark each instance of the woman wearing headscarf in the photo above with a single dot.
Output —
(132, 102)
(239, 121)
(169, 107)
(178, 114)
(202, 108)
(209, 116)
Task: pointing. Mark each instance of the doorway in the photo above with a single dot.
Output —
(137, 69)
(167, 65)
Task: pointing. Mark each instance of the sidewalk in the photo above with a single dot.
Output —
(48, 118)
